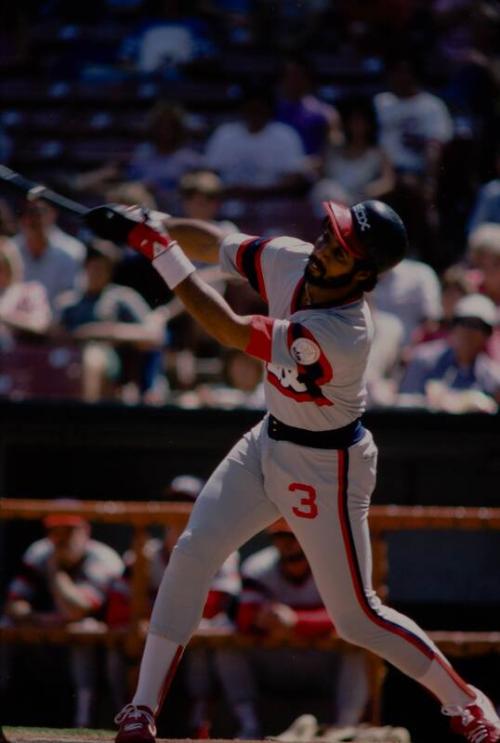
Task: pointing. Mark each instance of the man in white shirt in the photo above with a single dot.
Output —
(414, 124)
(256, 155)
(410, 291)
(44, 259)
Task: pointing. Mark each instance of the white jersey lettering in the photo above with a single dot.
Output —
(287, 378)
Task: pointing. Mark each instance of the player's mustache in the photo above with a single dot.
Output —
(314, 262)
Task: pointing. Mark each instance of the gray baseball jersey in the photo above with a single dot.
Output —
(315, 358)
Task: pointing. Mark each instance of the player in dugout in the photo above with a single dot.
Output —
(309, 460)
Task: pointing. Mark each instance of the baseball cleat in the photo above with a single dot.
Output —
(302, 730)
(136, 725)
(477, 722)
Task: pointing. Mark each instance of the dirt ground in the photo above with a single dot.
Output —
(44, 735)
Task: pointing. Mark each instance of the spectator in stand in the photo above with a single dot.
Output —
(411, 292)
(63, 581)
(385, 366)
(456, 282)
(44, 259)
(385, 359)
(474, 86)
(25, 311)
(257, 156)
(160, 162)
(296, 105)
(456, 374)
(280, 602)
(358, 168)
(134, 270)
(70, 244)
(170, 36)
(117, 327)
(484, 254)
(201, 193)
(487, 206)
(73, 247)
(414, 123)
(202, 666)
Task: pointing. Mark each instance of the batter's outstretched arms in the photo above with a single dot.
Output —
(156, 238)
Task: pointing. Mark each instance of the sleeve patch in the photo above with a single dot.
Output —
(305, 351)
(317, 368)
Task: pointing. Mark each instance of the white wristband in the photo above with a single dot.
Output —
(173, 265)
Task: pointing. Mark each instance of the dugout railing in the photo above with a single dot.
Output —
(140, 516)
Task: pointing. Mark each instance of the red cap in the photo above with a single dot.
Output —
(340, 217)
(63, 519)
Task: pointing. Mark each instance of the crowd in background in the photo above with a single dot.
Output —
(346, 100)
(416, 124)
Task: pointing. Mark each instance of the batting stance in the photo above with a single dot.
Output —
(309, 460)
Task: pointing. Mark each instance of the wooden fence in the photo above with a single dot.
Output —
(141, 515)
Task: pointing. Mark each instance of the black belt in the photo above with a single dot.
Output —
(336, 438)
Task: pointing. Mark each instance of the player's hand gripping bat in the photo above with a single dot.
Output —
(136, 227)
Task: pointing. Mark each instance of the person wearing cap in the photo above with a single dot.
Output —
(64, 579)
(456, 373)
(280, 601)
(309, 460)
(115, 326)
(201, 193)
(202, 666)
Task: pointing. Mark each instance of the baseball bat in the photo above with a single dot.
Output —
(108, 222)
(33, 190)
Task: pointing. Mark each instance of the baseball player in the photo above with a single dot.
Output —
(202, 666)
(64, 578)
(309, 460)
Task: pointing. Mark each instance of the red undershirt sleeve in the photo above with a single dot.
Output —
(261, 338)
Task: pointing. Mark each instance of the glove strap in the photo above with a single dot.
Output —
(173, 265)
(148, 241)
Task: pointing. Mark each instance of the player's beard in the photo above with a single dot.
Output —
(327, 282)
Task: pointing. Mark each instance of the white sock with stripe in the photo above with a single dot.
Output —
(158, 665)
(446, 684)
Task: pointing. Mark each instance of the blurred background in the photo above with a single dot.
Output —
(248, 113)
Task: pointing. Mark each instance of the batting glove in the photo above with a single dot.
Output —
(134, 226)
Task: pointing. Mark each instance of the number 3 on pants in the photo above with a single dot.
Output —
(308, 506)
